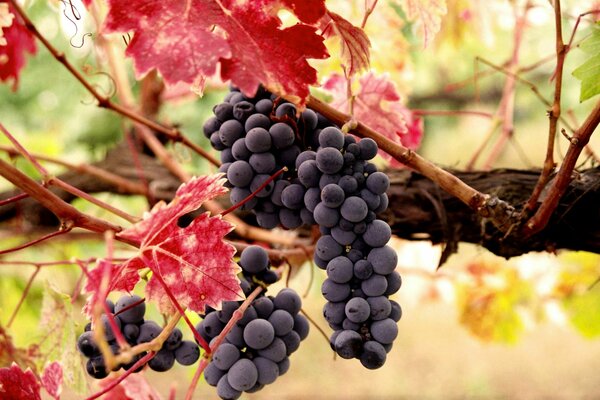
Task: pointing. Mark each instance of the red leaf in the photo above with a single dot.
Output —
(135, 387)
(16, 384)
(429, 13)
(378, 105)
(18, 42)
(194, 262)
(179, 39)
(307, 11)
(355, 43)
(52, 379)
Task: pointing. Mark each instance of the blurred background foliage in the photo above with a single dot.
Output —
(480, 326)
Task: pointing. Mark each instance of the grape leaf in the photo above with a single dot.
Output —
(589, 72)
(377, 104)
(194, 262)
(307, 11)
(52, 378)
(6, 19)
(58, 338)
(429, 13)
(185, 40)
(355, 43)
(18, 42)
(16, 384)
(133, 388)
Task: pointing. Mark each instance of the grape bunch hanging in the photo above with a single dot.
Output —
(329, 180)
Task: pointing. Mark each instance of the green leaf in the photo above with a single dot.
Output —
(58, 338)
(589, 72)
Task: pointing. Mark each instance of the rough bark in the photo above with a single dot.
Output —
(419, 210)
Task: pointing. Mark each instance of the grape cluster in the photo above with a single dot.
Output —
(333, 184)
(256, 350)
(128, 314)
(257, 137)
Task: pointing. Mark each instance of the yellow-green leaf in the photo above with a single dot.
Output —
(589, 71)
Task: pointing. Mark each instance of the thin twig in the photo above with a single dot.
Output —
(22, 299)
(36, 241)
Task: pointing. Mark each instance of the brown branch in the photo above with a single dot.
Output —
(553, 114)
(564, 176)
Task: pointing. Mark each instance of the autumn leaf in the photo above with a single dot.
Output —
(133, 388)
(377, 104)
(185, 40)
(16, 384)
(52, 378)
(193, 264)
(58, 338)
(15, 42)
(307, 11)
(354, 42)
(429, 13)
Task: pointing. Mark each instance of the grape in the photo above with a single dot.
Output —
(149, 330)
(242, 110)
(286, 109)
(212, 374)
(267, 370)
(289, 219)
(378, 233)
(110, 305)
(275, 352)
(353, 148)
(327, 179)
(236, 336)
(307, 217)
(374, 286)
(162, 361)
(383, 204)
(288, 156)
(309, 174)
(335, 291)
(230, 131)
(257, 182)
(354, 208)
(282, 322)
(292, 342)
(384, 331)
(277, 190)
(359, 229)
(223, 111)
(334, 312)
(370, 198)
(357, 310)
(329, 160)
(257, 121)
(225, 390)
(108, 332)
(368, 148)
(327, 248)
(346, 225)
(211, 325)
(343, 237)
(132, 315)
(340, 269)
(131, 333)
(227, 156)
(228, 307)
(174, 339)
(354, 255)
(254, 259)
(264, 106)
(259, 333)
(293, 196)
(264, 163)
(309, 120)
(394, 281)
(282, 135)
(319, 262)
(305, 156)
(96, 367)
(258, 140)
(211, 125)
(349, 325)
(288, 300)
(384, 259)
(284, 366)
(237, 195)
(332, 195)
(326, 216)
(187, 353)
(373, 355)
(239, 151)
(396, 312)
(225, 356)
(301, 326)
(378, 182)
(240, 173)
(363, 269)
(86, 344)
(380, 307)
(236, 98)
(263, 306)
(249, 315)
(348, 344)
(331, 137)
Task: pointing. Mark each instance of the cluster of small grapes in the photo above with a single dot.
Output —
(128, 314)
(256, 350)
(257, 137)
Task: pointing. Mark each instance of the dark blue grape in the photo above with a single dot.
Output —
(329, 160)
(348, 184)
(237, 195)
(230, 131)
(257, 121)
(357, 310)
(293, 196)
(267, 370)
(86, 344)
(264, 106)
(394, 283)
(287, 299)
(257, 182)
(275, 352)
(345, 238)
(348, 344)
(211, 125)
(373, 355)
(368, 148)
(223, 111)
(282, 135)
(332, 195)
(259, 333)
(335, 292)
(326, 216)
(384, 259)
(378, 182)
(331, 137)
(384, 331)
(263, 163)
(212, 374)
(340, 269)
(162, 361)
(242, 110)
(239, 151)
(333, 312)
(305, 156)
(96, 367)
(363, 269)
(327, 248)
(240, 173)
(309, 174)
(225, 390)
(290, 219)
(174, 339)
(308, 119)
(370, 198)
(258, 140)
(378, 233)
(287, 156)
(254, 259)
(354, 209)
(374, 286)
(282, 322)
(225, 356)
(301, 326)
(187, 353)
(286, 109)
(396, 312)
